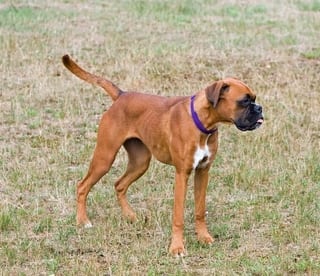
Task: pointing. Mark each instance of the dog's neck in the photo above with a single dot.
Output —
(207, 128)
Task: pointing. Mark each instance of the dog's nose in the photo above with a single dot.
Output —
(258, 108)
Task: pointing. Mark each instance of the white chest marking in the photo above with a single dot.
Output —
(201, 157)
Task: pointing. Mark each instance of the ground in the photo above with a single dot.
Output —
(263, 197)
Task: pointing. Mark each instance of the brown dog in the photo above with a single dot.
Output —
(180, 131)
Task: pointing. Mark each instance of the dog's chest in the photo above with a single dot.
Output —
(201, 157)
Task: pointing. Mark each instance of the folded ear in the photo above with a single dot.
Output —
(215, 90)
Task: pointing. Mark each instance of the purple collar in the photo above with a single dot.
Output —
(197, 121)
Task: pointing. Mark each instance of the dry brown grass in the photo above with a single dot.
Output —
(263, 200)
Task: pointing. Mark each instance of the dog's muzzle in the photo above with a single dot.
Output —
(251, 119)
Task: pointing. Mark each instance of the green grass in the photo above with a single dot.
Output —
(263, 198)
(312, 54)
(309, 6)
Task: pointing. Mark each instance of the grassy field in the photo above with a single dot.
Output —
(263, 198)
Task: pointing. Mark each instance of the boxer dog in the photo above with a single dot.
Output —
(180, 131)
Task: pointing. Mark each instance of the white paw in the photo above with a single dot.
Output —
(179, 255)
(88, 225)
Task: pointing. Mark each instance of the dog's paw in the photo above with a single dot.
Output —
(129, 215)
(177, 249)
(88, 225)
(84, 223)
(205, 238)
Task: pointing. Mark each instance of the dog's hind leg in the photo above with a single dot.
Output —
(139, 158)
(108, 144)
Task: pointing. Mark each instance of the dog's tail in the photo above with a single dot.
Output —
(108, 86)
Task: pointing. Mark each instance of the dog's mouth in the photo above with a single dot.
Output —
(249, 127)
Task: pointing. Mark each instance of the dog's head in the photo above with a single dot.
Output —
(234, 102)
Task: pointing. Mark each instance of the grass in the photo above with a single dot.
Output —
(263, 198)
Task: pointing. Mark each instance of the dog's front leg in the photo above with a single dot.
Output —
(200, 189)
(180, 189)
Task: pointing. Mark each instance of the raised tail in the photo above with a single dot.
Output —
(108, 86)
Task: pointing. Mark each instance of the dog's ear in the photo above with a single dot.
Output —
(215, 90)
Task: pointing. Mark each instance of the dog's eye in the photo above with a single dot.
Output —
(245, 102)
